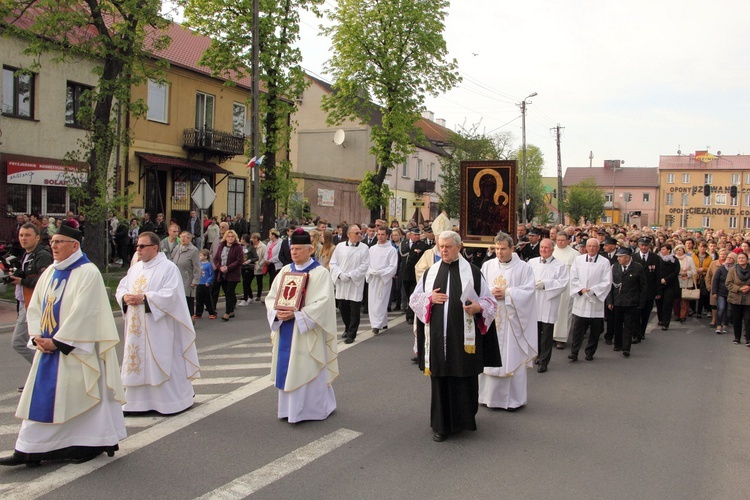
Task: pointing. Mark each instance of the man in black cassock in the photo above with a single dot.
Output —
(455, 336)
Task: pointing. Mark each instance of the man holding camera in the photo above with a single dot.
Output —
(34, 261)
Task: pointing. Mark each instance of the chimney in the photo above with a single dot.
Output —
(441, 122)
(428, 115)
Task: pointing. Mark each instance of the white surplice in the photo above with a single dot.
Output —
(380, 273)
(515, 321)
(597, 277)
(565, 312)
(554, 277)
(160, 358)
(348, 267)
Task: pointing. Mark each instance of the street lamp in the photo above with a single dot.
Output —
(523, 136)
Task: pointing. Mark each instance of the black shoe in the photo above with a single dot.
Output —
(589, 357)
(375, 331)
(410, 321)
(438, 437)
(626, 354)
(16, 459)
(573, 357)
(536, 361)
(618, 349)
(414, 360)
(388, 309)
(635, 341)
(608, 342)
(542, 368)
(349, 340)
(20, 389)
(665, 328)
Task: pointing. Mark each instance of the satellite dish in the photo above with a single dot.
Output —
(718, 153)
(338, 137)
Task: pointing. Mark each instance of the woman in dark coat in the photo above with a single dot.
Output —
(228, 262)
(720, 292)
(669, 286)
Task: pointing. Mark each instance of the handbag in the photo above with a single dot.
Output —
(691, 293)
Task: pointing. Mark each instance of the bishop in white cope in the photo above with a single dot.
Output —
(380, 273)
(160, 358)
(305, 360)
(513, 285)
(551, 281)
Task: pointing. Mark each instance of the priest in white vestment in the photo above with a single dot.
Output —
(348, 265)
(551, 277)
(513, 285)
(380, 273)
(305, 359)
(160, 358)
(71, 405)
(565, 254)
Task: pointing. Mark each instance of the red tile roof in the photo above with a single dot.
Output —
(625, 177)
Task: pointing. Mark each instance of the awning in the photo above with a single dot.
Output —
(164, 162)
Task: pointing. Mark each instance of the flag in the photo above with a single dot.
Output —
(251, 163)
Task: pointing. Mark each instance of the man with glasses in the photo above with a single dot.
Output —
(349, 264)
(72, 402)
(160, 358)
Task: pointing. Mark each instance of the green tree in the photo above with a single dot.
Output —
(230, 27)
(118, 34)
(534, 187)
(469, 145)
(389, 52)
(584, 200)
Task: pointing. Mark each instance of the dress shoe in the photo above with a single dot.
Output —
(542, 368)
(438, 437)
(618, 349)
(349, 340)
(573, 357)
(375, 331)
(589, 357)
(608, 342)
(635, 341)
(626, 354)
(536, 361)
(410, 321)
(231, 315)
(225, 317)
(20, 389)
(414, 360)
(385, 327)
(665, 328)
(560, 345)
(16, 459)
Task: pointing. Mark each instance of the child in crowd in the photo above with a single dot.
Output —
(203, 292)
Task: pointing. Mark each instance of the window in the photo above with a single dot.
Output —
(608, 197)
(646, 197)
(18, 93)
(419, 170)
(706, 221)
(707, 200)
(686, 178)
(432, 171)
(405, 169)
(735, 179)
(746, 223)
(239, 120)
(606, 219)
(236, 196)
(721, 199)
(708, 178)
(733, 202)
(733, 223)
(685, 199)
(747, 200)
(747, 178)
(669, 199)
(75, 100)
(158, 99)
(403, 209)
(204, 111)
(670, 178)
(31, 199)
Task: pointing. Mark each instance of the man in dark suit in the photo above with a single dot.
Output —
(627, 296)
(416, 248)
(371, 238)
(285, 252)
(194, 228)
(239, 225)
(429, 237)
(531, 250)
(609, 249)
(651, 264)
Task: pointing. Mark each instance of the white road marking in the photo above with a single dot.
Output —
(260, 478)
(238, 356)
(143, 421)
(245, 366)
(10, 429)
(223, 380)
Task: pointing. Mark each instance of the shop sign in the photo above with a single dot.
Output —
(42, 174)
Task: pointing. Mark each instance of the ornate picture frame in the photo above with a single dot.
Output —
(488, 201)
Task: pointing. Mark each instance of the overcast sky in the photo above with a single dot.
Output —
(627, 80)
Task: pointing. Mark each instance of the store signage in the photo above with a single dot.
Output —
(704, 156)
(42, 174)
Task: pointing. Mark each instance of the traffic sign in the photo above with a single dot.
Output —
(203, 195)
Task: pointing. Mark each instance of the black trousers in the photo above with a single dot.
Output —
(203, 299)
(248, 273)
(230, 294)
(396, 293)
(215, 289)
(740, 318)
(627, 322)
(665, 304)
(609, 320)
(645, 314)
(350, 313)
(408, 290)
(454, 404)
(191, 305)
(580, 325)
(545, 331)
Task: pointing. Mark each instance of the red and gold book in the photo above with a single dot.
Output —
(291, 294)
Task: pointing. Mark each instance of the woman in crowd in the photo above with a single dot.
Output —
(261, 266)
(721, 256)
(686, 279)
(212, 232)
(186, 257)
(323, 256)
(227, 262)
(719, 291)
(272, 255)
(248, 270)
(702, 262)
(738, 285)
(669, 288)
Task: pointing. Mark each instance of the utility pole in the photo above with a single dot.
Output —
(559, 174)
(523, 136)
(591, 159)
(255, 125)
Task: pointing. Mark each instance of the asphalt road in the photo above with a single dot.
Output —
(669, 422)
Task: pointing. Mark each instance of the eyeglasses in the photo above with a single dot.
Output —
(57, 242)
(141, 247)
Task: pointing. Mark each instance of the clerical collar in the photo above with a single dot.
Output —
(302, 267)
(351, 244)
(64, 264)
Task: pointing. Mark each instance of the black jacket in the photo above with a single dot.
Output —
(652, 268)
(38, 260)
(628, 289)
(412, 257)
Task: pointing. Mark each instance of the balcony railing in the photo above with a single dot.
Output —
(212, 143)
(424, 186)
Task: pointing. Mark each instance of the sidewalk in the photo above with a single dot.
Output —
(7, 316)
